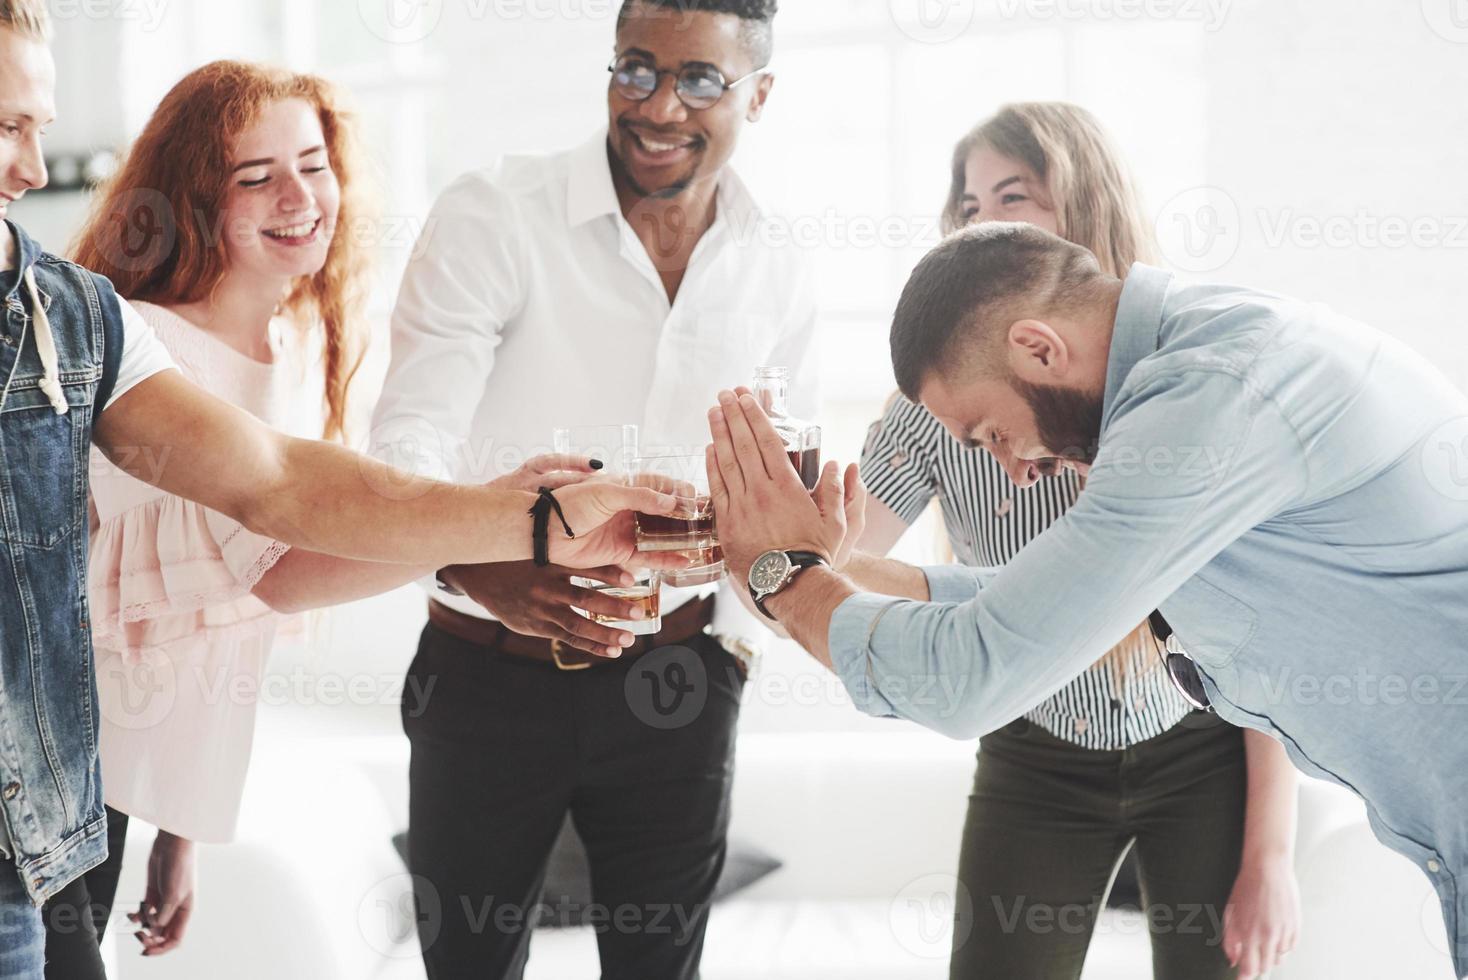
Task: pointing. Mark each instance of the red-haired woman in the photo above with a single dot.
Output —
(230, 229)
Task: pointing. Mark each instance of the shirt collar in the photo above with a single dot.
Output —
(1137, 331)
(591, 194)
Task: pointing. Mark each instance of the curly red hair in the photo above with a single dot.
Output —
(155, 227)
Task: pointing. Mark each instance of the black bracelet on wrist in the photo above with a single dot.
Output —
(540, 525)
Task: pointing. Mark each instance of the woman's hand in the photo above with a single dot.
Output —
(169, 900)
(1262, 921)
(553, 471)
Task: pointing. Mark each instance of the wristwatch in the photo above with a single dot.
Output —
(774, 570)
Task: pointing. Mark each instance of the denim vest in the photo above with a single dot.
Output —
(50, 780)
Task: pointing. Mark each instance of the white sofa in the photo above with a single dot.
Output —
(867, 825)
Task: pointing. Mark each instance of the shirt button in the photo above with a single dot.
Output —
(9, 340)
(1434, 867)
(1005, 506)
(12, 790)
(1140, 703)
(1082, 724)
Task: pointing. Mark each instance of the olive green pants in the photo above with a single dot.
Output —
(1048, 823)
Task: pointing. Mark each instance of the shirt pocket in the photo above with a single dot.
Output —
(1214, 627)
(45, 461)
(719, 351)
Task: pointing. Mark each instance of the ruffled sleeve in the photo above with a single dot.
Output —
(169, 572)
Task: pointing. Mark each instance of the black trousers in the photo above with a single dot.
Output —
(1049, 821)
(640, 754)
(76, 917)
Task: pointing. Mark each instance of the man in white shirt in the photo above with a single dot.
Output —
(623, 282)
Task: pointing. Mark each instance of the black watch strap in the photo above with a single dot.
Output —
(800, 560)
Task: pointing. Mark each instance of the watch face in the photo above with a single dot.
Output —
(769, 571)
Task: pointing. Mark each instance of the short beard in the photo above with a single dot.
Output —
(1069, 421)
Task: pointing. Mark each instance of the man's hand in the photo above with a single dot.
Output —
(537, 602)
(600, 511)
(168, 902)
(758, 498)
(855, 506)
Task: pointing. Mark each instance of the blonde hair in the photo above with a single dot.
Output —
(28, 18)
(1089, 186)
(1096, 206)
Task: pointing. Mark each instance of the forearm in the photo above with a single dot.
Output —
(329, 500)
(304, 580)
(887, 577)
(806, 606)
(1272, 803)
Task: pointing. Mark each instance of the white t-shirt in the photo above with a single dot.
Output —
(143, 354)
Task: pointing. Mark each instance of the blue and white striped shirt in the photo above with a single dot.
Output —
(909, 459)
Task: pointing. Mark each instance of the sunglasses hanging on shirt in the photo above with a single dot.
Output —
(1180, 667)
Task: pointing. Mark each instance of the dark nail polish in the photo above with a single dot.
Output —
(597, 464)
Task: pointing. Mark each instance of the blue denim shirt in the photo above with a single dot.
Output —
(50, 784)
(1289, 487)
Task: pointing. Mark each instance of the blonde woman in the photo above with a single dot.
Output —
(1118, 759)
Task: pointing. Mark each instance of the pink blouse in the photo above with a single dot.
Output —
(181, 643)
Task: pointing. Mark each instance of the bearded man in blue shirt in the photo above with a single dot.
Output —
(1277, 483)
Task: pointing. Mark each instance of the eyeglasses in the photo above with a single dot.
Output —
(697, 86)
(1180, 667)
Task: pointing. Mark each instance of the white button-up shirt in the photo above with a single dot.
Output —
(530, 304)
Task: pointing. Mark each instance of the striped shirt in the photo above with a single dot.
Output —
(909, 459)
